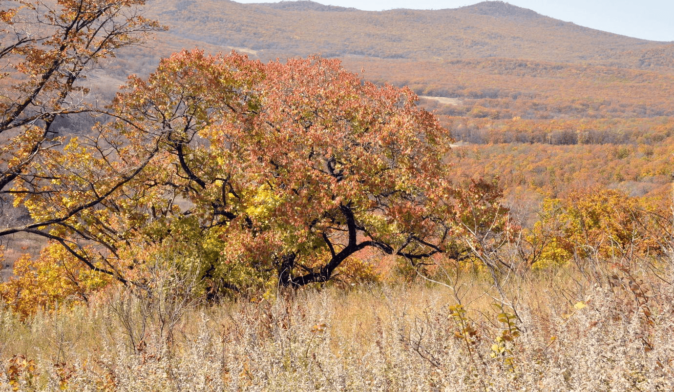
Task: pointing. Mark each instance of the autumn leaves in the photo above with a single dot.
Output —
(247, 175)
(296, 166)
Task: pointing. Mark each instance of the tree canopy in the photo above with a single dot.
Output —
(257, 172)
(296, 166)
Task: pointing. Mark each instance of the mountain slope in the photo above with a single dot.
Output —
(489, 29)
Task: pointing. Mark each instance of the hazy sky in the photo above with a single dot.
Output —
(648, 19)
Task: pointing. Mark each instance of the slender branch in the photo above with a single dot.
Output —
(92, 203)
(83, 259)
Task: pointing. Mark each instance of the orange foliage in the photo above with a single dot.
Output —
(556, 170)
(507, 88)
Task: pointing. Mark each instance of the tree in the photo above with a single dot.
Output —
(601, 225)
(296, 166)
(251, 174)
(265, 173)
(46, 50)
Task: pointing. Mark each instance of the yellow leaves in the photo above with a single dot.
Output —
(8, 16)
(457, 311)
(262, 203)
(356, 271)
(504, 345)
(73, 144)
(20, 200)
(269, 294)
(64, 373)
(319, 328)
(577, 307)
(380, 225)
(595, 223)
(498, 349)
(54, 277)
(68, 202)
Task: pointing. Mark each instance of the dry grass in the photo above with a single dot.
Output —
(574, 332)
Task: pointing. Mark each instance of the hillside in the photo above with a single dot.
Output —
(486, 30)
(492, 58)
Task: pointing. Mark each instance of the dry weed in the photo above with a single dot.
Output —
(617, 337)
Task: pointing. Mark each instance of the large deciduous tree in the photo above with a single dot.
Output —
(259, 174)
(285, 169)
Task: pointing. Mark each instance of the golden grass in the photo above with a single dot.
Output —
(575, 332)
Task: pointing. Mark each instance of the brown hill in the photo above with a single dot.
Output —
(500, 10)
(493, 59)
(489, 29)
